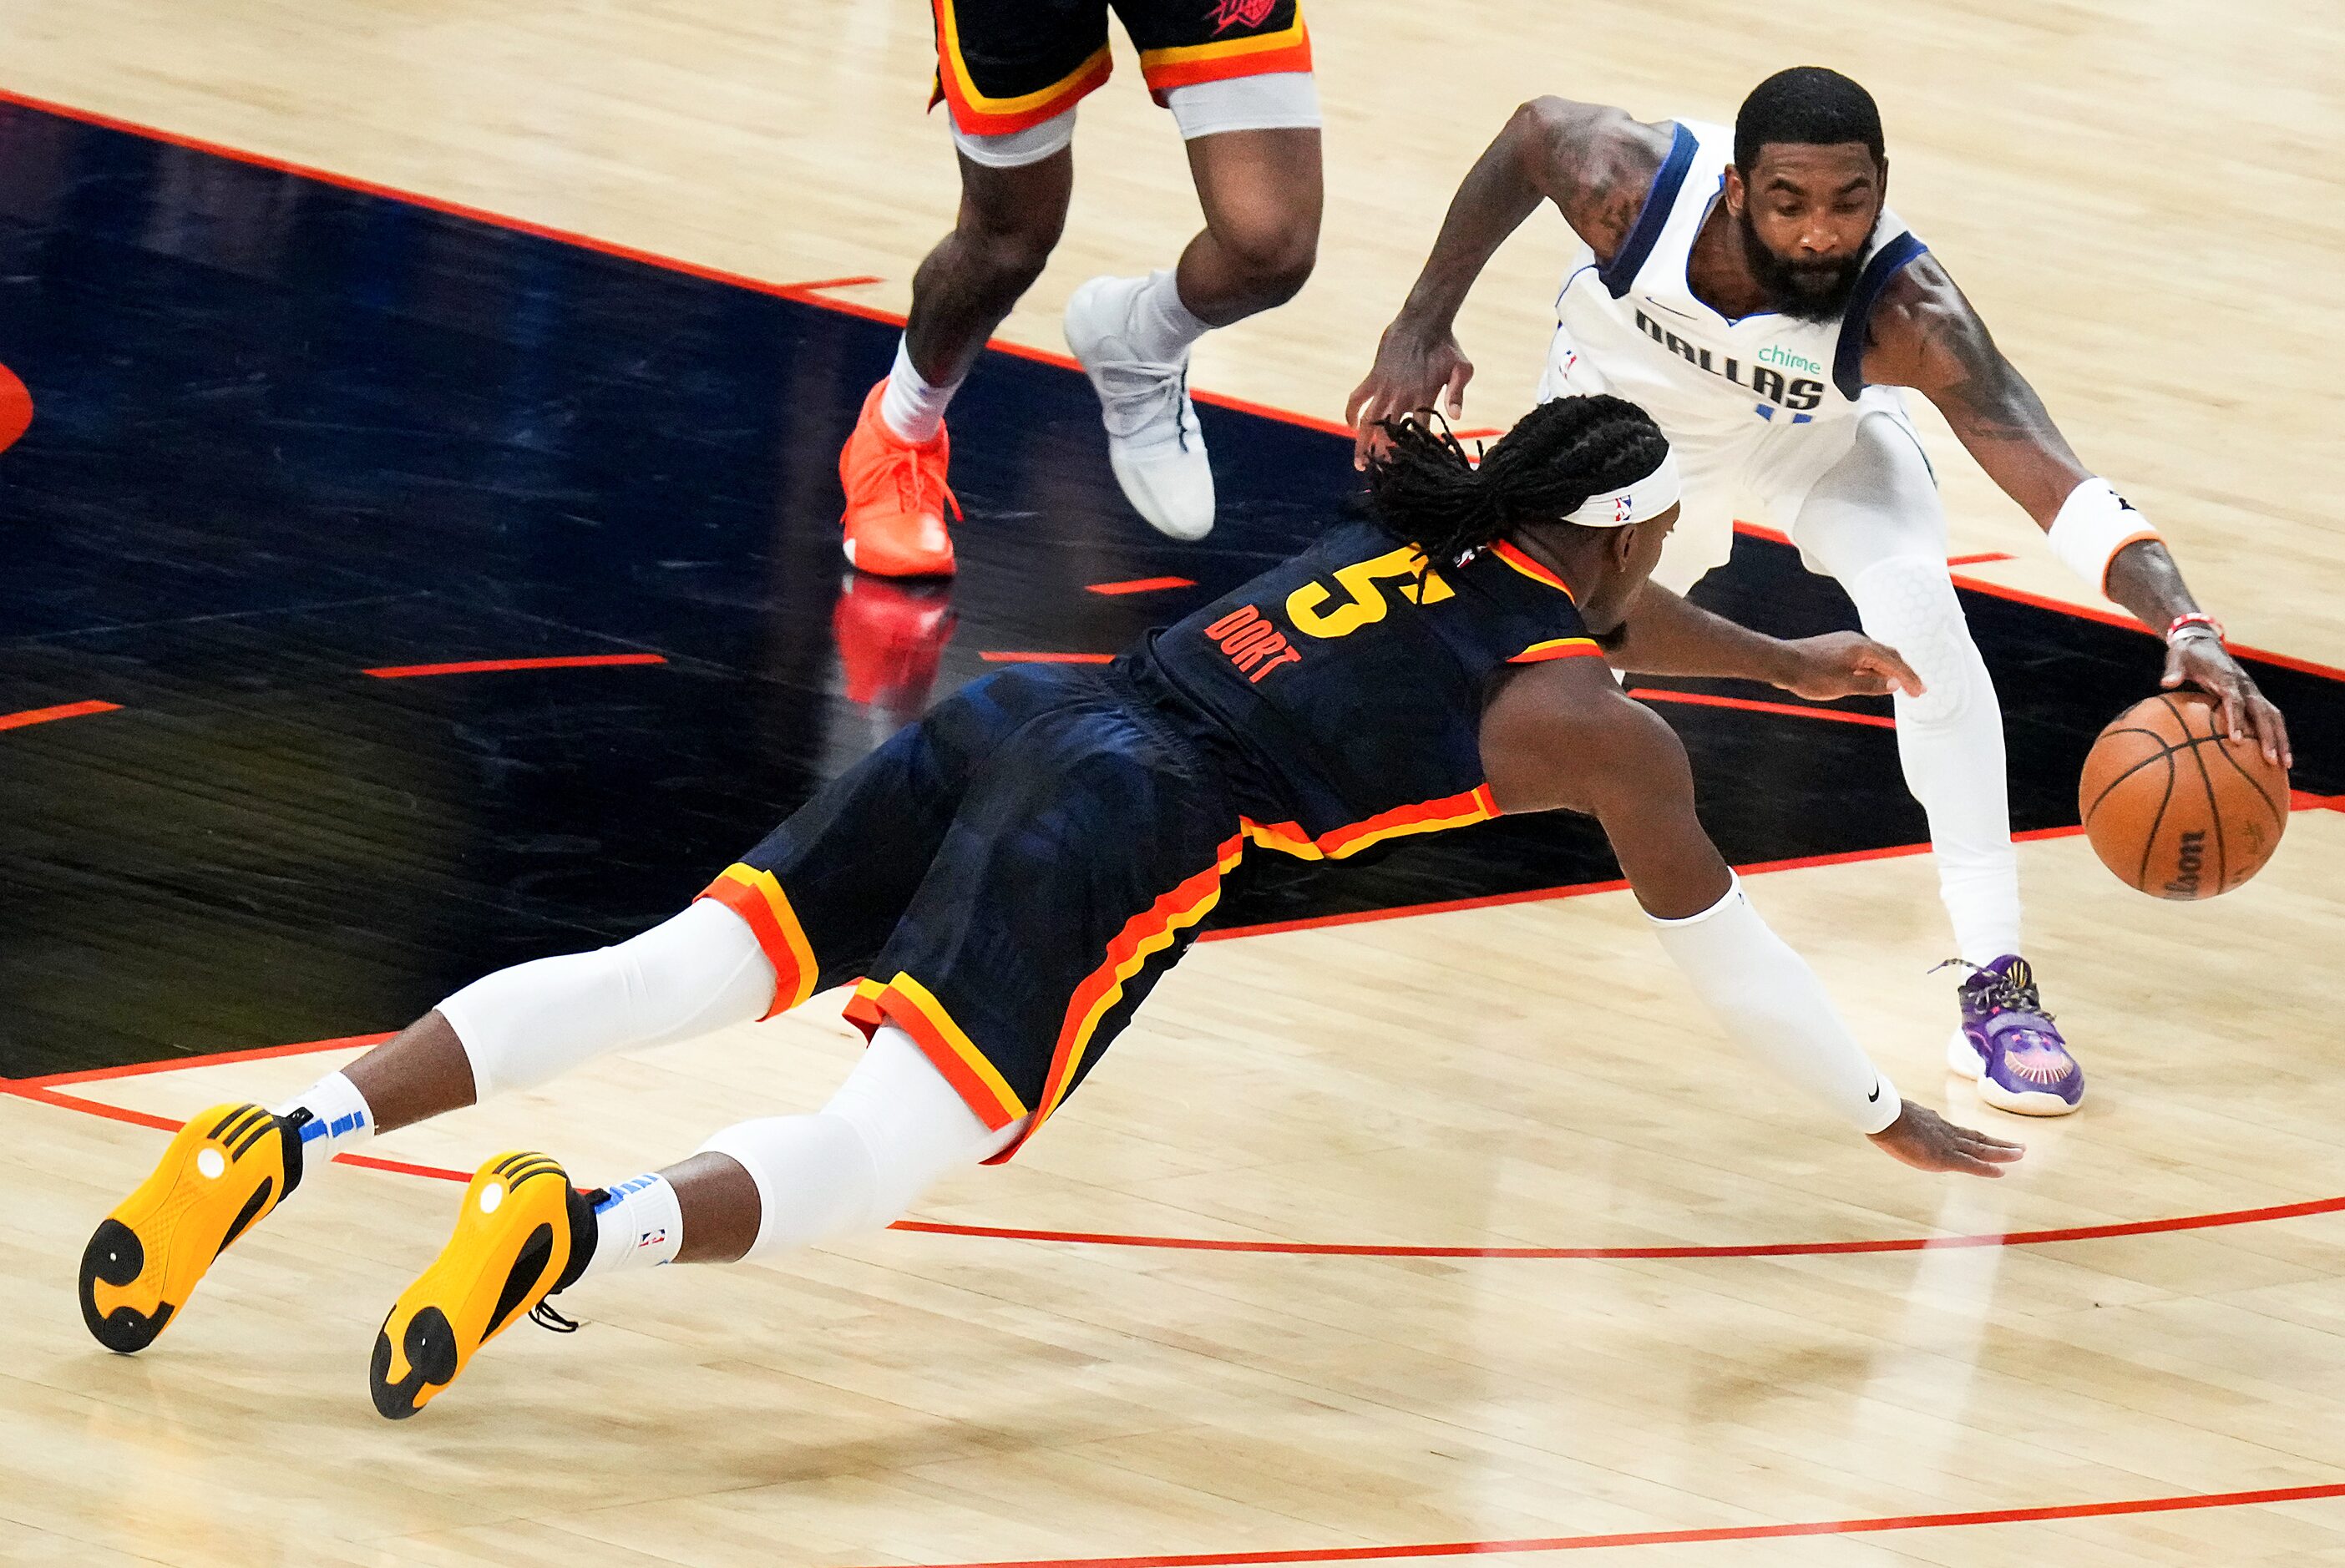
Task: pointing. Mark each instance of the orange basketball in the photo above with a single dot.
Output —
(2174, 808)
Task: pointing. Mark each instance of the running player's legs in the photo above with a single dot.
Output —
(1010, 74)
(1874, 523)
(1236, 76)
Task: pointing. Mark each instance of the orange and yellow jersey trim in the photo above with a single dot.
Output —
(980, 115)
(1143, 936)
(1521, 562)
(1558, 648)
(1424, 816)
(1261, 55)
(914, 1008)
(757, 897)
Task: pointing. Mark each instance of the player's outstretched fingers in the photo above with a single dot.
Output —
(1925, 1140)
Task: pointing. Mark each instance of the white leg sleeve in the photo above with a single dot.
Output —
(698, 971)
(894, 1126)
(1016, 149)
(1875, 522)
(1769, 999)
(1274, 101)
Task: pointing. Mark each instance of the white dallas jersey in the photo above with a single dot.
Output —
(1757, 408)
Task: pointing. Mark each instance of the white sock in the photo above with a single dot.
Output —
(637, 1224)
(339, 1119)
(1161, 327)
(912, 409)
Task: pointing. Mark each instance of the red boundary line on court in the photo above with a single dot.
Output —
(1142, 585)
(1704, 700)
(802, 293)
(991, 657)
(809, 294)
(28, 716)
(2174, 1505)
(484, 667)
(1981, 559)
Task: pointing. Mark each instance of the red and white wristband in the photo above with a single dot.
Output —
(2193, 623)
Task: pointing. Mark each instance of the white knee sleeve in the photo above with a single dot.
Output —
(1909, 603)
(698, 971)
(894, 1126)
(1874, 521)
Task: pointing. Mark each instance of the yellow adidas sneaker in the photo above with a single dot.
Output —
(523, 1234)
(223, 1170)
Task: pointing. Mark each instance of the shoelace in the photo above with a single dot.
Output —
(1137, 394)
(2002, 994)
(911, 487)
(545, 1316)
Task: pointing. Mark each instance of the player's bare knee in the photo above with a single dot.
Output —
(1274, 251)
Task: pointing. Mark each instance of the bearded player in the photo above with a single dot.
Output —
(1236, 76)
(1750, 290)
(1012, 874)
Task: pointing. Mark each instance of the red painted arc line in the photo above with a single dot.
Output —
(2184, 1502)
(991, 657)
(1981, 559)
(484, 667)
(1142, 585)
(28, 716)
(41, 1092)
(1704, 700)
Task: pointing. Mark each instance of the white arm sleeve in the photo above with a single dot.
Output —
(1769, 999)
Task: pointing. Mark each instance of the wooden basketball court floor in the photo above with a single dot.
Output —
(1422, 1214)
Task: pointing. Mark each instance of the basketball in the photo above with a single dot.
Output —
(2174, 806)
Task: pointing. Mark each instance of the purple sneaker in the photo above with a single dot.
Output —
(2007, 1043)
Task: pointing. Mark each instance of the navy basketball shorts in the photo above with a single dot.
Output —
(1005, 881)
(1006, 65)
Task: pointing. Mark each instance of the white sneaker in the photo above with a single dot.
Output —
(1153, 439)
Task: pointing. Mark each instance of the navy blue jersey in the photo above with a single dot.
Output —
(1352, 680)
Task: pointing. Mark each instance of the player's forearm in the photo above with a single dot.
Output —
(1768, 998)
(1668, 636)
(1496, 195)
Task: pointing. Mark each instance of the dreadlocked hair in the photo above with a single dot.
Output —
(1424, 490)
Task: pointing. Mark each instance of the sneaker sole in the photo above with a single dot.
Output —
(222, 1171)
(511, 1243)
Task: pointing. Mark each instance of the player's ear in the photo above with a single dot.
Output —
(1734, 191)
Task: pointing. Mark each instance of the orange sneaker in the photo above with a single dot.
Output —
(896, 497)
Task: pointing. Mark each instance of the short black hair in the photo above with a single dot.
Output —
(1806, 104)
(1424, 490)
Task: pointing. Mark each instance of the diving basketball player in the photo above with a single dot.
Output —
(1749, 289)
(1236, 76)
(1010, 876)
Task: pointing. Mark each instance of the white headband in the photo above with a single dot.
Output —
(1633, 504)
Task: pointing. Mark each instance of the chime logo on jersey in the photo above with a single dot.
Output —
(1767, 382)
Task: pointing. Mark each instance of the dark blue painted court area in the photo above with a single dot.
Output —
(287, 432)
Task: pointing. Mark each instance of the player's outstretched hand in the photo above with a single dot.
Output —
(1927, 1141)
(2204, 662)
(1846, 664)
(1414, 368)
